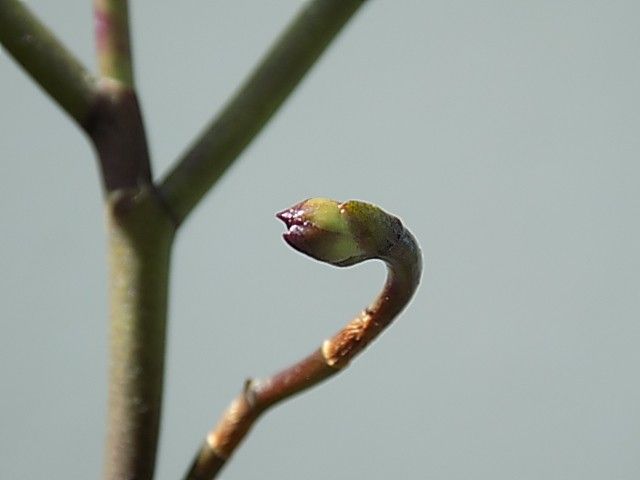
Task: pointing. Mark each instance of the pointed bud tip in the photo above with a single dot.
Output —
(285, 216)
(319, 227)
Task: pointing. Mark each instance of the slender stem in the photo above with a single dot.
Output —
(140, 239)
(113, 40)
(404, 268)
(48, 62)
(254, 104)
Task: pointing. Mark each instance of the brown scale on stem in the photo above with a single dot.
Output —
(338, 350)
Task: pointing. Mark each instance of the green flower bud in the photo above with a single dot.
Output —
(341, 234)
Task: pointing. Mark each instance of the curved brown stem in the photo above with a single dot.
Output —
(403, 260)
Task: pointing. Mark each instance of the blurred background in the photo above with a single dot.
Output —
(505, 134)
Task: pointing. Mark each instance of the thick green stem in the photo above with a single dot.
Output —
(113, 40)
(254, 104)
(140, 239)
(48, 62)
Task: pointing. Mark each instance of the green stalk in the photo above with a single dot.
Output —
(113, 40)
(46, 60)
(140, 239)
(256, 101)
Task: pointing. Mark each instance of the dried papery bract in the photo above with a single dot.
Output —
(340, 234)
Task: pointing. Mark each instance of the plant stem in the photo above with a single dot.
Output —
(254, 104)
(48, 62)
(140, 239)
(117, 129)
(112, 40)
(404, 268)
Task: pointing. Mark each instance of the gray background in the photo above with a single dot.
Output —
(504, 133)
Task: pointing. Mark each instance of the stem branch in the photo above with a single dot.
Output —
(46, 60)
(254, 104)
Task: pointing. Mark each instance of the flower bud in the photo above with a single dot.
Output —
(341, 234)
